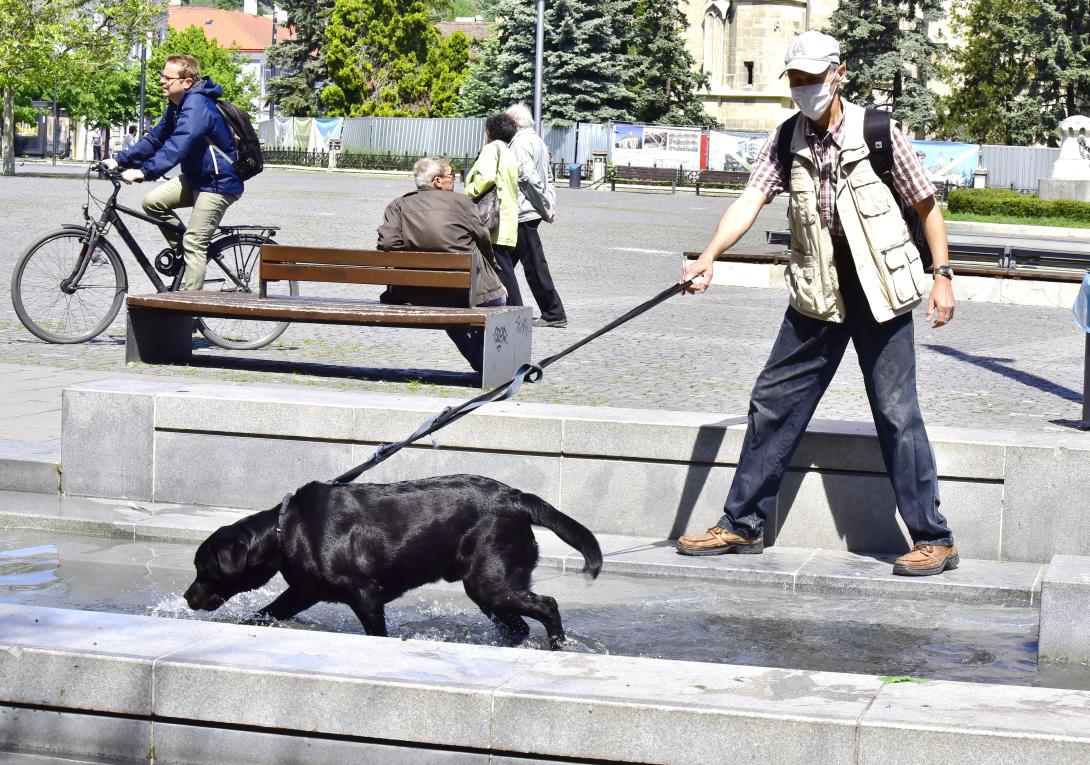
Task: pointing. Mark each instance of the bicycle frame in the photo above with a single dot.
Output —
(110, 217)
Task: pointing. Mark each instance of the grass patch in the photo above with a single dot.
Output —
(1017, 220)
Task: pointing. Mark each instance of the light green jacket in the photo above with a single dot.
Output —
(496, 165)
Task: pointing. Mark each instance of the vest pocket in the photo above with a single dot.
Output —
(905, 283)
(873, 199)
(804, 290)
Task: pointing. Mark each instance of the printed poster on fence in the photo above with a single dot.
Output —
(952, 163)
(734, 150)
(648, 146)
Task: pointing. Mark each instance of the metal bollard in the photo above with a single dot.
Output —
(1086, 384)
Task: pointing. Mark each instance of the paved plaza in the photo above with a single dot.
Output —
(996, 366)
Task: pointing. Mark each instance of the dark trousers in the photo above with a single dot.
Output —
(804, 359)
(468, 340)
(505, 259)
(528, 251)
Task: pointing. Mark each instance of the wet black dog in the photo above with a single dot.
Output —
(367, 544)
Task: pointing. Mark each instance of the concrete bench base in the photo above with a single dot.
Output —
(157, 336)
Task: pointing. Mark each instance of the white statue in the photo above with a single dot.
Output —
(1074, 161)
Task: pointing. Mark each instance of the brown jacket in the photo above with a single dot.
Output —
(433, 220)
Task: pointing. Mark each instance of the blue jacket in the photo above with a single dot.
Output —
(194, 134)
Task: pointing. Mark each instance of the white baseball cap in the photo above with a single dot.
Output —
(811, 52)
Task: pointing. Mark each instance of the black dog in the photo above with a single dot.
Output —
(367, 544)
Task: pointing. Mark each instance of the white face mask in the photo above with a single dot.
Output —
(814, 100)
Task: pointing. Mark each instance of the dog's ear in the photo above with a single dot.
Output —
(231, 556)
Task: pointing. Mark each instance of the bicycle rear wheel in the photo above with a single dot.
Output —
(59, 303)
(240, 253)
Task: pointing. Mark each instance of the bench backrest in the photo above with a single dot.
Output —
(628, 172)
(724, 176)
(344, 266)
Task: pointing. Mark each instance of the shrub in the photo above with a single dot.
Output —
(1012, 204)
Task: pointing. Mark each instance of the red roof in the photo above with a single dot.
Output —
(231, 29)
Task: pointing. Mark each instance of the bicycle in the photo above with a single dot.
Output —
(69, 285)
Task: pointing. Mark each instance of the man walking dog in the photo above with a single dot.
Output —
(854, 274)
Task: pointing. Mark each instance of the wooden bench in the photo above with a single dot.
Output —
(647, 174)
(721, 178)
(161, 325)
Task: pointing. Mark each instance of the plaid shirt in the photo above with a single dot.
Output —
(769, 175)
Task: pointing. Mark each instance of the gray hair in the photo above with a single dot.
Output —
(521, 114)
(428, 169)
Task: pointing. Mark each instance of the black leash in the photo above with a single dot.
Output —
(525, 373)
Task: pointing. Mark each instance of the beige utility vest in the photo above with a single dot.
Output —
(886, 259)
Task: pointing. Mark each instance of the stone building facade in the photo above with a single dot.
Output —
(740, 44)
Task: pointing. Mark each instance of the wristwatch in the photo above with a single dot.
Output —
(944, 271)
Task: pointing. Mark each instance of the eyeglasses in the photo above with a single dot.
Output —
(168, 79)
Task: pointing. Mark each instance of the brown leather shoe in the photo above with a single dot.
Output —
(716, 541)
(925, 560)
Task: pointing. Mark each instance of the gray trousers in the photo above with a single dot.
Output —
(208, 210)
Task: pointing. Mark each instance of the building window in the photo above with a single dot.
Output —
(749, 72)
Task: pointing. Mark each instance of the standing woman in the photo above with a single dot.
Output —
(496, 167)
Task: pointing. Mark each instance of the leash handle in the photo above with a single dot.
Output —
(526, 373)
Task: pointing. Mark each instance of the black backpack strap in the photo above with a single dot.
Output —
(876, 132)
(783, 148)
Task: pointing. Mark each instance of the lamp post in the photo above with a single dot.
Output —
(143, 89)
(538, 57)
(272, 73)
(56, 123)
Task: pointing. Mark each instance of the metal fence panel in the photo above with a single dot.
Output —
(577, 142)
(1020, 167)
(455, 137)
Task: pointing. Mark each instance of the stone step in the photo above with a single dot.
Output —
(792, 568)
(30, 467)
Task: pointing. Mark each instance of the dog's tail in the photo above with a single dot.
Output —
(568, 529)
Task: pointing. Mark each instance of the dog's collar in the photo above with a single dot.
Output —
(280, 516)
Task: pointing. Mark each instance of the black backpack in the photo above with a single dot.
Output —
(876, 132)
(250, 161)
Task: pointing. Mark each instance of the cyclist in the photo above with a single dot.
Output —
(194, 134)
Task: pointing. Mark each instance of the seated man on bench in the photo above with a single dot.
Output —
(431, 219)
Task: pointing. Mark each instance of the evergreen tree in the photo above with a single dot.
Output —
(300, 63)
(667, 77)
(480, 94)
(890, 55)
(620, 60)
(386, 58)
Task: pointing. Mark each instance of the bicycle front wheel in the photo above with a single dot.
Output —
(233, 267)
(64, 294)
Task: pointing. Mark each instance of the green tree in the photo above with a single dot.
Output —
(1024, 68)
(300, 63)
(223, 65)
(587, 73)
(43, 42)
(386, 58)
(667, 77)
(891, 56)
(621, 60)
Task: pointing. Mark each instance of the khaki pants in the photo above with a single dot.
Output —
(208, 210)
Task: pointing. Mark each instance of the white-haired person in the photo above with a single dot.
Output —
(432, 219)
(537, 202)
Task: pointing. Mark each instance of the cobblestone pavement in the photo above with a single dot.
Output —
(1006, 367)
